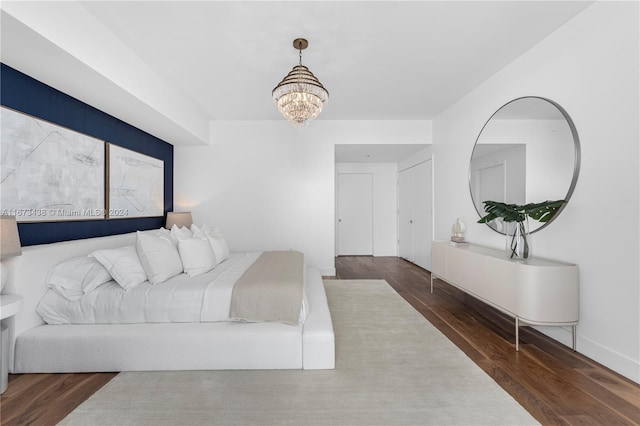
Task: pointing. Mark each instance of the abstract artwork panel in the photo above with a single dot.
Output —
(136, 184)
(48, 172)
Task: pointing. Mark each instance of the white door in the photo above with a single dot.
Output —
(415, 214)
(422, 215)
(405, 214)
(355, 214)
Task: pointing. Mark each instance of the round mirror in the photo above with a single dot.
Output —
(527, 152)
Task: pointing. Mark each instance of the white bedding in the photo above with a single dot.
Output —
(204, 298)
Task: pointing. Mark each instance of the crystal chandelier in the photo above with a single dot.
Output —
(300, 95)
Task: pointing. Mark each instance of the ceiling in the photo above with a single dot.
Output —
(194, 62)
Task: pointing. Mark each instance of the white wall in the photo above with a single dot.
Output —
(385, 210)
(268, 185)
(590, 67)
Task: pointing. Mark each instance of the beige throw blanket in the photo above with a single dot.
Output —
(271, 289)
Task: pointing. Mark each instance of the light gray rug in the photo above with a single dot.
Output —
(392, 368)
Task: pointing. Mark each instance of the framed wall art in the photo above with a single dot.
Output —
(136, 184)
(49, 172)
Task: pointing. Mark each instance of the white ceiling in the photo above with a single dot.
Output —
(193, 62)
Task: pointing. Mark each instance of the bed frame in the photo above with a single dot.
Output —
(36, 347)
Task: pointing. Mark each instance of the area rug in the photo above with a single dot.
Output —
(392, 368)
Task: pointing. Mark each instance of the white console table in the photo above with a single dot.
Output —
(534, 291)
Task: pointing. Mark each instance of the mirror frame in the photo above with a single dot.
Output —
(576, 162)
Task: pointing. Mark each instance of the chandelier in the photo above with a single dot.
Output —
(300, 96)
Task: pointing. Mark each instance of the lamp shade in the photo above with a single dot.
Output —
(178, 218)
(9, 237)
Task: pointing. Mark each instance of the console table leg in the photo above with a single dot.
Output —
(517, 334)
(573, 335)
(432, 283)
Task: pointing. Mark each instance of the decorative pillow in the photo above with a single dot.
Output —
(180, 233)
(77, 276)
(217, 241)
(197, 256)
(161, 232)
(123, 264)
(204, 228)
(220, 248)
(159, 257)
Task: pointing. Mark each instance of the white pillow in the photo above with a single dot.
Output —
(123, 264)
(161, 232)
(159, 257)
(220, 248)
(197, 256)
(77, 276)
(204, 228)
(180, 233)
(216, 240)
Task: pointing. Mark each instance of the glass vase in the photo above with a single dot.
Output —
(518, 240)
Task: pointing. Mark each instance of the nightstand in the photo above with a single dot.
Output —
(10, 304)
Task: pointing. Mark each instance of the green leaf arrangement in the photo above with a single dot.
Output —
(542, 212)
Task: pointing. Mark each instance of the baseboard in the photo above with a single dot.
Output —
(382, 253)
(611, 359)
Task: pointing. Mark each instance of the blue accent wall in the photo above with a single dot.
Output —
(25, 94)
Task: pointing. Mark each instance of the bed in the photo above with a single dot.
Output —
(144, 338)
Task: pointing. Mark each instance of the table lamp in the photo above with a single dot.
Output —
(178, 218)
(9, 244)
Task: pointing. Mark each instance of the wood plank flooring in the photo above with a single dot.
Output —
(556, 385)
(46, 399)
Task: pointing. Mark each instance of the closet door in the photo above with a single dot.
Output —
(355, 214)
(415, 215)
(422, 215)
(405, 214)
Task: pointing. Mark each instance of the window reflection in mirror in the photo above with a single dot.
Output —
(527, 152)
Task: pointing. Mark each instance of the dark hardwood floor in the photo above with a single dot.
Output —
(46, 399)
(555, 384)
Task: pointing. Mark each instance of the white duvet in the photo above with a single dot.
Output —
(204, 298)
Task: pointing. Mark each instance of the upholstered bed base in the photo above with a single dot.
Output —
(37, 347)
